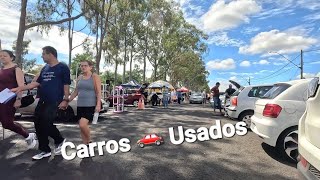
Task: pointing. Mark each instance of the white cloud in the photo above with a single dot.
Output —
(277, 64)
(224, 16)
(309, 75)
(9, 30)
(222, 39)
(250, 30)
(312, 17)
(317, 62)
(245, 64)
(262, 62)
(286, 7)
(274, 40)
(223, 83)
(226, 64)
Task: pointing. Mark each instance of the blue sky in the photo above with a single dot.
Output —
(243, 32)
(241, 35)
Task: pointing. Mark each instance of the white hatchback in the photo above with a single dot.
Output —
(277, 115)
(243, 101)
(309, 133)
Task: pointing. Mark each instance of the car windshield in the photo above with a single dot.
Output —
(196, 94)
(275, 91)
(237, 92)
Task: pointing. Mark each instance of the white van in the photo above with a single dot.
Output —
(309, 135)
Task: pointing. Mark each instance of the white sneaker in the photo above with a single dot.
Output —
(57, 150)
(31, 140)
(41, 155)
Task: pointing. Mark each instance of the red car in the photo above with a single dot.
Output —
(131, 97)
(150, 139)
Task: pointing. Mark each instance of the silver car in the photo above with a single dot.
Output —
(195, 98)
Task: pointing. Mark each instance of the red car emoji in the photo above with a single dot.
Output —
(150, 139)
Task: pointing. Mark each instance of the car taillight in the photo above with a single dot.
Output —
(303, 161)
(234, 101)
(272, 110)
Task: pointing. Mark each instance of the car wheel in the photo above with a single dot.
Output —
(135, 103)
(141, 145)
(158, 143)
(246, 117)
(65, 115)
(287, 144)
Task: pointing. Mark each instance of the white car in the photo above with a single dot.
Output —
(67, 115)
(243, 101)
(195, 98)
(277, 115)
(309, 134)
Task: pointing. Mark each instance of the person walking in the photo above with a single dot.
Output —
(54, 80)
(88, 90)
(165, 94)
(179, 96)
(216, 99)
(204, 97)
(12, 76)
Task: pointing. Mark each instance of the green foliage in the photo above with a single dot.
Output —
(27, 64)
(77, 60)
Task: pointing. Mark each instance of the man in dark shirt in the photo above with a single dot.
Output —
(229, 91)
(216, 99)
(54, 80)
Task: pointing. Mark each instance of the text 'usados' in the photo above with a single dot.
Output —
(177, 137)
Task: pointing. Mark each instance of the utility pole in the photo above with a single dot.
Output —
(301, 66)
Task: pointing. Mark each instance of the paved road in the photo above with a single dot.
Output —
(239, 157)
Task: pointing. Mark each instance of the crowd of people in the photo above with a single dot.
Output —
(52, 84)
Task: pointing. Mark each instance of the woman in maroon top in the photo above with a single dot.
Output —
(11, 77)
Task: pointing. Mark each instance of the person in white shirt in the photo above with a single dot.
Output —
(204, 97)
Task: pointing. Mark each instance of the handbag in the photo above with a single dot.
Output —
(27, 100)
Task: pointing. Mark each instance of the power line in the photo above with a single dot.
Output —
(294, 74)
(312, 50)
(280, 73)
(277, 70)
(308, 62)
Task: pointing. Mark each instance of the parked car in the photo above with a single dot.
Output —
(277, 115)
(243, 101)
(131, 97)
(309, 133)
(150, 139)
(195, 98)
(67, 115)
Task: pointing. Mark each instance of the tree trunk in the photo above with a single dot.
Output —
(145, 60)
(155, 70)
(102, 36)
(125, 57)
(131, 59)
(115, 73)
(70, 32)
(22, 29)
